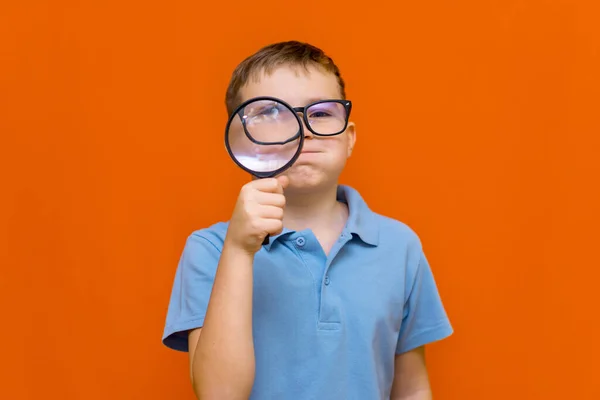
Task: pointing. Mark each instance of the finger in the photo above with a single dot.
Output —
(273, 226)
(270, 199)
(270, 185)
(271, 212)
(283, 180)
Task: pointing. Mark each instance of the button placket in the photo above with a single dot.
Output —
(329, 313)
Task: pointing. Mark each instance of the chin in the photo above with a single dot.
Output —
(304, 178)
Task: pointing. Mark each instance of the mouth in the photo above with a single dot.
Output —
(309, 152)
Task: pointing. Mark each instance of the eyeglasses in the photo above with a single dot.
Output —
(326, 117)
(261, 118)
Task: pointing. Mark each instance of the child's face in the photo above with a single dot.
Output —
(323, 157)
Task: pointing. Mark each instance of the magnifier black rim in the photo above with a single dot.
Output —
(299, 136)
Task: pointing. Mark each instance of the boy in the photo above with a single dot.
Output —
(340, 302)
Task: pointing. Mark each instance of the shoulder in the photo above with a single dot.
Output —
(395, 232)
(376, 228)
(399, 243)
(203, 247)
(396, 242)
(211, 235)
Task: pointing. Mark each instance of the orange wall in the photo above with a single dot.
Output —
(478, 125)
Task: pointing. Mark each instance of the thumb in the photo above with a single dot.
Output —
(283, 180)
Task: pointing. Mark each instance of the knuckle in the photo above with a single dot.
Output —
(255, 225)
(279, 226)
(280, 213)
(246, 186)
(245, 191)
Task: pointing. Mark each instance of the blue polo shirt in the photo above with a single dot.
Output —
(325, 327)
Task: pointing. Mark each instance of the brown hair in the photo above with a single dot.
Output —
(275, 55)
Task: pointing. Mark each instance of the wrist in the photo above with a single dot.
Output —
(234, 250)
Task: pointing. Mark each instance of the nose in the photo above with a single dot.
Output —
(307, 133)
(300, 112)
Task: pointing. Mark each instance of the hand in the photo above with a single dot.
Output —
(258, 212)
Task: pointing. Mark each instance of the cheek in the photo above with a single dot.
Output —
(337, 144)
(335, 160)
(340, 150)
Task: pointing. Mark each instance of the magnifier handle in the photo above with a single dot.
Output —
(266, 240)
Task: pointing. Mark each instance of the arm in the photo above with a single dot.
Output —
(411, 381)
(222, 351)
(424, 321)
(210, 310)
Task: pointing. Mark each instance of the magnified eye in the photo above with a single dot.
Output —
(265, 111)
(270, 111)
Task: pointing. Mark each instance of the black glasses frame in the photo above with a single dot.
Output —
(347, 106)
(346, 103)
(239, 111)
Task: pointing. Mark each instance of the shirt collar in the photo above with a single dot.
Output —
(361, 220)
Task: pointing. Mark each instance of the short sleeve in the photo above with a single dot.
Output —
(191, 290)
(424, 319)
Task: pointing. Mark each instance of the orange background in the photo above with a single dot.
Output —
(478, 126)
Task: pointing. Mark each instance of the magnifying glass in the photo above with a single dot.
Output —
(264, 137)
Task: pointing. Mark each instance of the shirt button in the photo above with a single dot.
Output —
(300, 241)
(327, 280)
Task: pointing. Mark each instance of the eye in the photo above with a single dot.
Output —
(319, 114)
(323, 110)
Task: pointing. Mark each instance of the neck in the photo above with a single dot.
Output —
(313, 210)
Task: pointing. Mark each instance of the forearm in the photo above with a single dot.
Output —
(223, 366)
(424, 394)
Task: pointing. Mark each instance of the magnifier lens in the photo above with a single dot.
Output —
(264, 136)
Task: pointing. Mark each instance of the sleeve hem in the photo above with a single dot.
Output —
(175, 335)
(433, 334)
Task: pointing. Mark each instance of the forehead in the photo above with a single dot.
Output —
(295, 85)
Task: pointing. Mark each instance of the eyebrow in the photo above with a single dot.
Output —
(315, 99)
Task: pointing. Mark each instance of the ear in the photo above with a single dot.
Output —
(351, 135)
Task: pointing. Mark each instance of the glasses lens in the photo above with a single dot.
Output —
(264, 136)
(327, 118)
